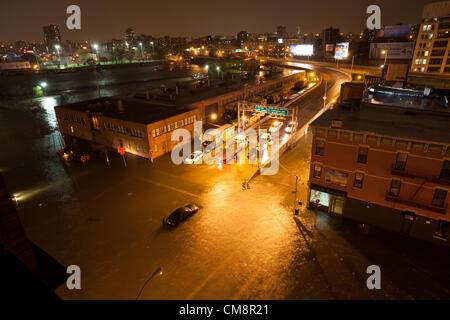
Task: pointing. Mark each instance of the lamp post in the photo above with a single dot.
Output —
(142, 52)
(385, 56)
(57, 47)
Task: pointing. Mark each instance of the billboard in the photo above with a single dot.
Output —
(394, 50)
(341, 51)
(302, 49)
(402, 31)
(336, 177)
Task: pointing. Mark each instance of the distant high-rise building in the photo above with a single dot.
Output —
(432, 51)
(129, 35)
(242, 37)
(52, 36)
(331, 36)
(281, 32)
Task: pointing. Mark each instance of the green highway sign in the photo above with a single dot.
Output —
(278, 111)
(260, 109)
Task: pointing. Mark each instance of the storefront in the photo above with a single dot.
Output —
(328, 200)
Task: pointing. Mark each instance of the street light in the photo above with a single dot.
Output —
(43, 84)
(95, 46)
(142, 52)
(385, 56)
(57, 47)
(213, 116)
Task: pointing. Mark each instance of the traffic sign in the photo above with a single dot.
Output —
(260, 109)
(278, 111)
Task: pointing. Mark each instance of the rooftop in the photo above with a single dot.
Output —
(127, 109)
(391, 121)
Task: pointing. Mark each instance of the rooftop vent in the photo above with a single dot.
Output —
(336, 123)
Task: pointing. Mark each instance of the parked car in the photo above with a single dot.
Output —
(194, 157)
(180, 215)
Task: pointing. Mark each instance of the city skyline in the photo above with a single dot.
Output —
(190, 20)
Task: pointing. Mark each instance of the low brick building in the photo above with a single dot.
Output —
(384, 166)
(141, 128)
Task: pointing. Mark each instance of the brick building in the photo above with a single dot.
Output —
(143, 129)
(385, 166)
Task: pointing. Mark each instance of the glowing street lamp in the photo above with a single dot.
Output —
(213, 116)
(57, 47)
(43, 84)
(385, 56)
(142, 52)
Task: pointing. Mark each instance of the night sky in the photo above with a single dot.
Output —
(102, 19)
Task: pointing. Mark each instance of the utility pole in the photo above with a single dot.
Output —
(295, 196)
(325, 96)
(239, 115)
(353, 60)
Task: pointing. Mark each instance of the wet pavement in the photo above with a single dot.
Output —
(243, 244)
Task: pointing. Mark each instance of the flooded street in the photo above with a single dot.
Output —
(240, 245)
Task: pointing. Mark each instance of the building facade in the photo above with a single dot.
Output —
(139, 128)
(384, 166)
(431, 54)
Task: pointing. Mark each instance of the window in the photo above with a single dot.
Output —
(362, 155)
(442, 229)
(401, 144)
(320, 147)
(95, 123)
(395, 188)
(400, 163)
(156, 148)
(138, 149)
(358, 137)
(435, 148)
(320, 132)
(359, 178)
(445, 172)
(439, 198)
(417, 146)
(386, 142)
(345, 135)
(317, 171)
(332, 133)
(371, 139)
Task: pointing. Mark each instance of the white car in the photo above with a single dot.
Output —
(291, 126)
(194, 158)
(276, 125)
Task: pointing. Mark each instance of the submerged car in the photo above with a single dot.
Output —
(180, 215)
(194, 157)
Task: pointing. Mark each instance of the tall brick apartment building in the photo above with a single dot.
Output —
(384, 166)
(141, 128)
